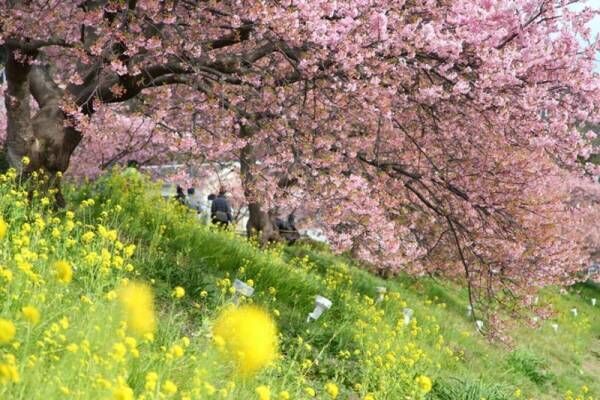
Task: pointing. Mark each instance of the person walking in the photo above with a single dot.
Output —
(220, 210)
(180, 196)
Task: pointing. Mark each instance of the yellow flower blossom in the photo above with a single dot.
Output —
(424, 383)
(63, 270)
(123, 392)
(249, 335)
(263, 392)
(151, 379)
(7, 330)
(332, 390)
(3, 228)
(88, 237)
(9, 372)
(176, 351)
(138, 307)
(169, 388)
(31, 314)
(178, 292)
(284, 395)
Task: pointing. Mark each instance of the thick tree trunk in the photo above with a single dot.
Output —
(19, 129)
(46, 137)
(260, 222)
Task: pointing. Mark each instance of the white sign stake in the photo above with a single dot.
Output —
(241, 289)
(479, 324)
(574, 311)
(381, 290)
(408, 313)
(321, 304)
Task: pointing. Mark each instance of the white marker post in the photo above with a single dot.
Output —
(381, 291)
(408, 313)
(555, 327)
(321, 305)
(469, 310)
(594, 302)
(479, 325)
(574, 311)
(243, 289)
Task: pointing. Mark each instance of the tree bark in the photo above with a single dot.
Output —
(47, 137)
(260, 222)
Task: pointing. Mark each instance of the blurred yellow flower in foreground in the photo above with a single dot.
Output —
(248, 336)
(138, 307)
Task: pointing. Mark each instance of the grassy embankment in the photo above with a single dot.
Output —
(79, 348)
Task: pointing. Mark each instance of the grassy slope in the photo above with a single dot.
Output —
(174, 250)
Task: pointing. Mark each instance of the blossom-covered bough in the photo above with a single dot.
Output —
(425, 136)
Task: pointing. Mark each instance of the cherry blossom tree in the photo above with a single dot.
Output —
(424, 136)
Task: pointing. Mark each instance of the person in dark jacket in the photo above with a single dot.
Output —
(220, 210)
(287, 228)
(180, 196)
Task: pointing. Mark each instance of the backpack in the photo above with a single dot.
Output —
(221, 216)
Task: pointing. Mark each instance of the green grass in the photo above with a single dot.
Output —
(360, 345)
(178, 251)
(464, 389)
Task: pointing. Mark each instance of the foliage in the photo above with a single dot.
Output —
(529, 365)
(457, 389)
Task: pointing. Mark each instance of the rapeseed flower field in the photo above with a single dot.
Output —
(126, 296)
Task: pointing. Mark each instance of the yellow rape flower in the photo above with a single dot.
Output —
(8, 370)
(249, 337)
(31, 314)
(123, 392)
(138, 307)
(178, 292)
(424, 383)
(263, 392)
(7, 330)
(176, 351)
(3, 228)
(151, 379)
(63, 270)
(129, 250)
(88, 236)
(332, 390)
(169, 388)
(284, 395)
